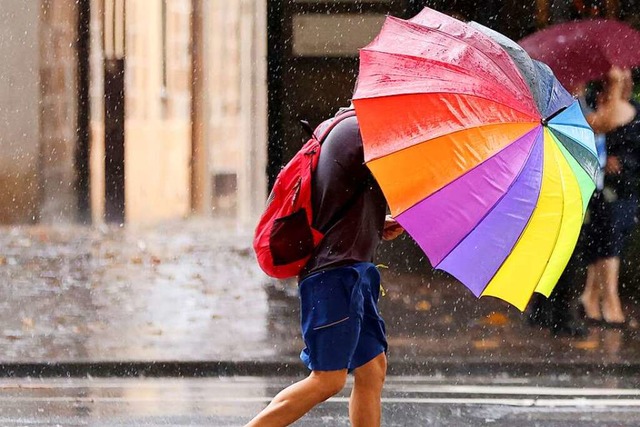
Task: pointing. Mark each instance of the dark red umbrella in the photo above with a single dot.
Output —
(580, 51)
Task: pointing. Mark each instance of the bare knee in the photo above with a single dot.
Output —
(329, 383)
(373, 373)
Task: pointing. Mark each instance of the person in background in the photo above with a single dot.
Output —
(613, 208)
(558, 313)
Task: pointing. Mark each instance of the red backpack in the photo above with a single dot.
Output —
(284, 239)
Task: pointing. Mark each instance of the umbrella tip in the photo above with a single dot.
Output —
(546, 120)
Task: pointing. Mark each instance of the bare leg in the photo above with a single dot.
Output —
(590, 297)
(364, 406)
(298, 399)
(611, 305)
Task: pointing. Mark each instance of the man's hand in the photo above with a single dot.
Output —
(391, 228)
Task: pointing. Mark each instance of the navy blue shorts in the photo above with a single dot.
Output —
(341, 326)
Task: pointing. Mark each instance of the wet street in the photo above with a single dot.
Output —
(152, 294)
(191, 292)
(230, 402)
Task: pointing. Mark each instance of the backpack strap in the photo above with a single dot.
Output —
(323, 129)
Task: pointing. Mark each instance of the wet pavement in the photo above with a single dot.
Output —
(187, 297)
(232, 401)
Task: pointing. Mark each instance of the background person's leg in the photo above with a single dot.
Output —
(623, 222)
(611, 305)
(298, 399)
(590, 297)
(559, 312)
(364, 405)
(596, 241)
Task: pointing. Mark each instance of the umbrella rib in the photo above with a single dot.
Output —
(546, 120)
(568, 156)
(494, 205)
(550, 99)
(578, 125)
(556, 130)
(527, 113)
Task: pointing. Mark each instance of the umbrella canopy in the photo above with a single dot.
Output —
(484, 158)
(580, 51)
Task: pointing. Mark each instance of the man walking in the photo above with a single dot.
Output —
(339, 288)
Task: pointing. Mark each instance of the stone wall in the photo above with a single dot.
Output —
(19, 112)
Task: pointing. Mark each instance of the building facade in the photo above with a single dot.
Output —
(194, 93)
(39, 85)
(132, 111)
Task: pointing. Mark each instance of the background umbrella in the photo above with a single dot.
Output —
(581, 51)
(483, 157)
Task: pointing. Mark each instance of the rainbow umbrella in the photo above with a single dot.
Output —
(484, 158)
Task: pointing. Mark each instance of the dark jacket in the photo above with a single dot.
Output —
(624, 143)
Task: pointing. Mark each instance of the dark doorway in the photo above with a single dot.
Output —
(114, 119)
(307, 84)
(312, 70)
(82, 150)
(514, 18)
